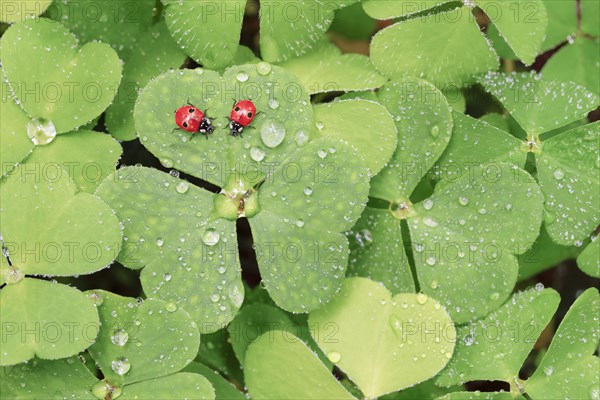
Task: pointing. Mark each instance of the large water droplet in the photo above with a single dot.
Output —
(257, 154)
(182, 187)
(430, 222)
(242, 76)
(119, 337)
(428, 204)
(121, 365)
(421, 298)
(272, 133)
(171, 307)
(334, 356)
(211, 237)
(558, 174)
(263, 68)
(41, 131)
(274, 104)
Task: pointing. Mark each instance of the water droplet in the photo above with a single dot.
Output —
(308, 191)
(272, 133)
(182, 187)
(548, 371)
(495, 296)
(334, 357)
(96, 298)
(168, 277)
(421, 298)
(594, 392)
(482, 211)
(199, 71)
(215, 297)
(242, 76)
(274, 104)
(299, 223)
(320, 125)
(121, 365)
(119, 337)
(539, 286)
(13, 275)
(469, 340)
(433, 284)
(301, 138)
(159, 242)
(171, 307)
(263, 68)
(435, 131)
(257, 154)
(364, 237)
(463, 201)
(211, 237)
(322, 153)
(167, 163)
(558, 174)
(41, 131)
(428, 204)
(430, 260)
(430, 222)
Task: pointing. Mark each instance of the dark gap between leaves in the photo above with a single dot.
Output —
(488, 386)
(406, 240)
(247, 254)
(116, 279)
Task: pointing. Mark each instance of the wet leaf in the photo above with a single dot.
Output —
(589, 260)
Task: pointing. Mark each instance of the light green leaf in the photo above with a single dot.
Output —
(325, 69)
(209, 31)
(286, 118)
(412, 47)
(570, 180)
(353, 23)
(387, 9)
(424, 121)
(476, 142)
(140, 341)
(570, 358)
(16, 145)
(521, 23)
(177, 386)
(44, 319)
(539, 105)
(72, 87)
(578, 62)
(380, 341)
(154, 53)
(377, 251)
(19, 11)
(499, 43)
(189, 256)
(365, 125)
(456, 98)
(465, 237)
(590, 17)
(88, 157)
(291, 241)
(481, 396)
(40, 379)
(589, 260)
(289, 29)
(495, 347)
(562, 22)
(224, 390)
(49, 229)
(280, 366)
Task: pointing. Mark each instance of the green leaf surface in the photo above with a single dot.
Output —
(539, 105)
(207, 30)
(42, 379)
(183, 385)
(50, 229)
(377, 251)
(412, 47)
(387, 9)
(291, 241)
(19, 11)
(456, 98)
(494, 348)
(16, 145)
(578, 62)
(325, 69)
(365, 125)
(44, 319)
(590, 17)
(189, 256)
(570, 180)
(481, 396)
(70, 86)
(217, 353)
(380, 342)
(502, 48)
(224, 390)
(570, 357)
(589, 260)
(465, 237)
(424, 121)
(353, 23)
(280, 366)
(140, 341)
(281, 128)
(88, 157)
(562, 22)
(477, 142)
(154, 53)
(521, 23)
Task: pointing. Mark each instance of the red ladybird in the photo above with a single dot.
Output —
(242, 115)
(191, 119)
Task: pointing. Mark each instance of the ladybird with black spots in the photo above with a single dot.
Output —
(190, 118)
(241, 116)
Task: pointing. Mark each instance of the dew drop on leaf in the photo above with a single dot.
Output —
(182, 187)
(257, 154)
(96, 298)
(272, 133)
(334, 356)
(242, 76)
(214, 297)
(263, 68)
(322, 153)
(168, 277)
(463, 201)
(274, 104)
(308, 191)
(558, 174)
(301, 138)
(428, 204)
(41, 131)
(121, 365)
(211, 237)
(435, 131)
(171, 307)
(119, 337)
(421, 298)
(159, 242)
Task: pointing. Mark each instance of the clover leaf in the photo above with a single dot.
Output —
(589, 260)
(69, 87)
(223, 388)
(386, 9)
(22, 10)
(379, 339)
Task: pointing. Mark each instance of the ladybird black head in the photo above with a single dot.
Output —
(191, 110)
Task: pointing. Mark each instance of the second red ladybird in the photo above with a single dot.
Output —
(191, 119)
(242, 115)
